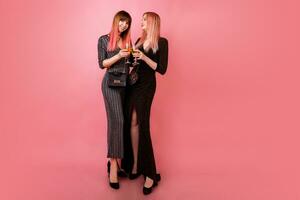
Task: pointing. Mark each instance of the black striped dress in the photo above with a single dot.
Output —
(114, 100)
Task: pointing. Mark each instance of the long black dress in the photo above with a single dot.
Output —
(140, 96)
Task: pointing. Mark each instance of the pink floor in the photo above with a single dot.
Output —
(185, 178)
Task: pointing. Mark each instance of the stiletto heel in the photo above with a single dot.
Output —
(112, 185)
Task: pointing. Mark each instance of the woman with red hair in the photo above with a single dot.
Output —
(111, 56)
(152, 53)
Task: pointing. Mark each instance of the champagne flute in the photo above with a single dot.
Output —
(128, 49)
(135, 58)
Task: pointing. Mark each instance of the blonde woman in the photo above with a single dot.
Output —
(111, 56)
(152, 53)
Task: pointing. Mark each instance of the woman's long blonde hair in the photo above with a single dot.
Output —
(152, 33)
(114, 34)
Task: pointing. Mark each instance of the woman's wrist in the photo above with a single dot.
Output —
(119, 56)
(144, 57)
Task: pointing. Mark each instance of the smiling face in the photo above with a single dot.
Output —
(144, 22)
(120, 31)
(123, 25)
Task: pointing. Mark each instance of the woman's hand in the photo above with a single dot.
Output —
(141, 56)
(138, 54)
(123, 53)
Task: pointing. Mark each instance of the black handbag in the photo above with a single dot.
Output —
(133, 76)
(117, 79)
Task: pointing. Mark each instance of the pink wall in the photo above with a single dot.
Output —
(224, 120)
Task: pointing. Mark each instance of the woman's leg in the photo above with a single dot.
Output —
(134, 131)
(113, 175)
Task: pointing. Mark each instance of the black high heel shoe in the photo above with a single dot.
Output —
(112, 185)
(121, 173)
(147, 190)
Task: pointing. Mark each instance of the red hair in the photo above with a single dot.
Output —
(114, 34)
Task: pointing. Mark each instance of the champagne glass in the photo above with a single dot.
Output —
(135, 63)
(128, 49)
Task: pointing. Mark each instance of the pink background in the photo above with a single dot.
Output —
(225, 119)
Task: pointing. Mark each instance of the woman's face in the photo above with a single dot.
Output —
(123, 26)
(144, 22)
